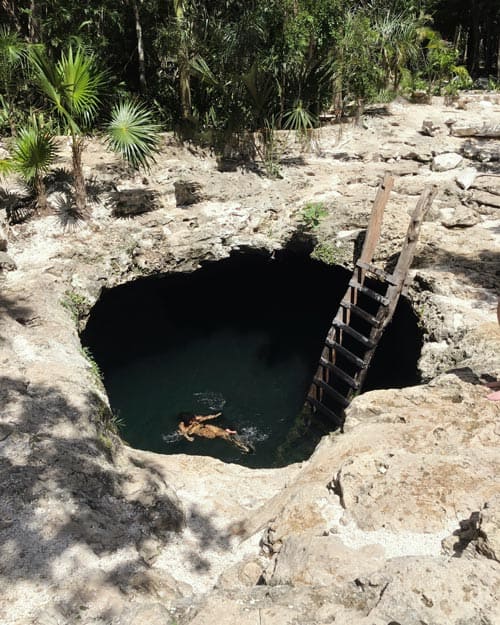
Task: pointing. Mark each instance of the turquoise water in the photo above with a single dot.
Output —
(241, 337)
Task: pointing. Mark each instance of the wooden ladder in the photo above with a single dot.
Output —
(364, 312)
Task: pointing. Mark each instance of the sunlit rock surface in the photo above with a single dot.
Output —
(394, 520)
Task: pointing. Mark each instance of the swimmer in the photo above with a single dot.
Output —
(194, 425)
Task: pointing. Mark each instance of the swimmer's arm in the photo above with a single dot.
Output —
(184, 431)
(207, 417)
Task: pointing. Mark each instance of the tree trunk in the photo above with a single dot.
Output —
(474, 41)
(78, 179)
(140, 47)
(183, 60)
(33, 23)
(41, 194)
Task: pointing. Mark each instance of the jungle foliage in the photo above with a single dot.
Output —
(214, 68)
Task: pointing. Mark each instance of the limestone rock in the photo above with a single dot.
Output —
(421, 489)
(486, 129)
(187, 192)
(409, 591)
(459, 217)
(487, 199)
(489, 535)
(306, 559)
(129, 202)
(6, 262)
(483, 151)
(3, 240)
(445, 162)
(430, 590)
(488, 182)
(429, 128)
(466, 177)
(149, 614)
(92, 532)
(420, 96)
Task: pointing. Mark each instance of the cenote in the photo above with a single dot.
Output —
(241, 336)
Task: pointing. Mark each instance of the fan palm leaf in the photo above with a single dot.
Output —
(34, 151)
(133, 134)
(72, 85)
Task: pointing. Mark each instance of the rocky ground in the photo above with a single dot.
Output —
(397, 520)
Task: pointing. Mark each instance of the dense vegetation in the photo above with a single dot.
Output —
(212, 69)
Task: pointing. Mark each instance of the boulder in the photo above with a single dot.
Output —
(459, 217)
(445, 162)
(465, 178)
(187, 192)
(487, 199)
(129, 202)
(306, 559)
(482, 151)
(429, 128)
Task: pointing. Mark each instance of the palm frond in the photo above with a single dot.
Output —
(34, 150)
(6, 167)
(200, 67)
(299, 119)
(133, 134)
(81, 83)
(72, 85)
(12, 47)
(49, 80)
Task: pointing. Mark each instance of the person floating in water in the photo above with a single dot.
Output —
(194, 425)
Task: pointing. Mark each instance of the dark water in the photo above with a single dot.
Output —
(241, 336)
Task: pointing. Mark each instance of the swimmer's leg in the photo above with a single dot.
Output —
(246, 448)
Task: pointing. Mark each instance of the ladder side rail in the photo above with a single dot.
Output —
(409, 246)
(375, 224)
(400, 274)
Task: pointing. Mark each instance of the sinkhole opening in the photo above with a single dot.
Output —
(241, 336)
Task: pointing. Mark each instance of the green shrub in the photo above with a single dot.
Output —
(327, 253)
(76, 304)
(312, 213)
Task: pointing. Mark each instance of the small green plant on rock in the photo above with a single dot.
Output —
(76, 304)
(327, 253)
(94, 367)
(108, 426)
(313, 213)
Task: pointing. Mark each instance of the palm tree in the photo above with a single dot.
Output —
(398, 42)
(183, 56)
(33, 153)
(74, 88)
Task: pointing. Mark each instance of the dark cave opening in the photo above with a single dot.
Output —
(241, 336)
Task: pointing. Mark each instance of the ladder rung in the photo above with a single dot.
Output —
(362, 314)
(377, 271)
(359, 362)
(369, 292)
(355, 335)
(324, 410)
(339, 373)
(343, 401)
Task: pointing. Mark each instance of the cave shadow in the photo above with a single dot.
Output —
(45, 466)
